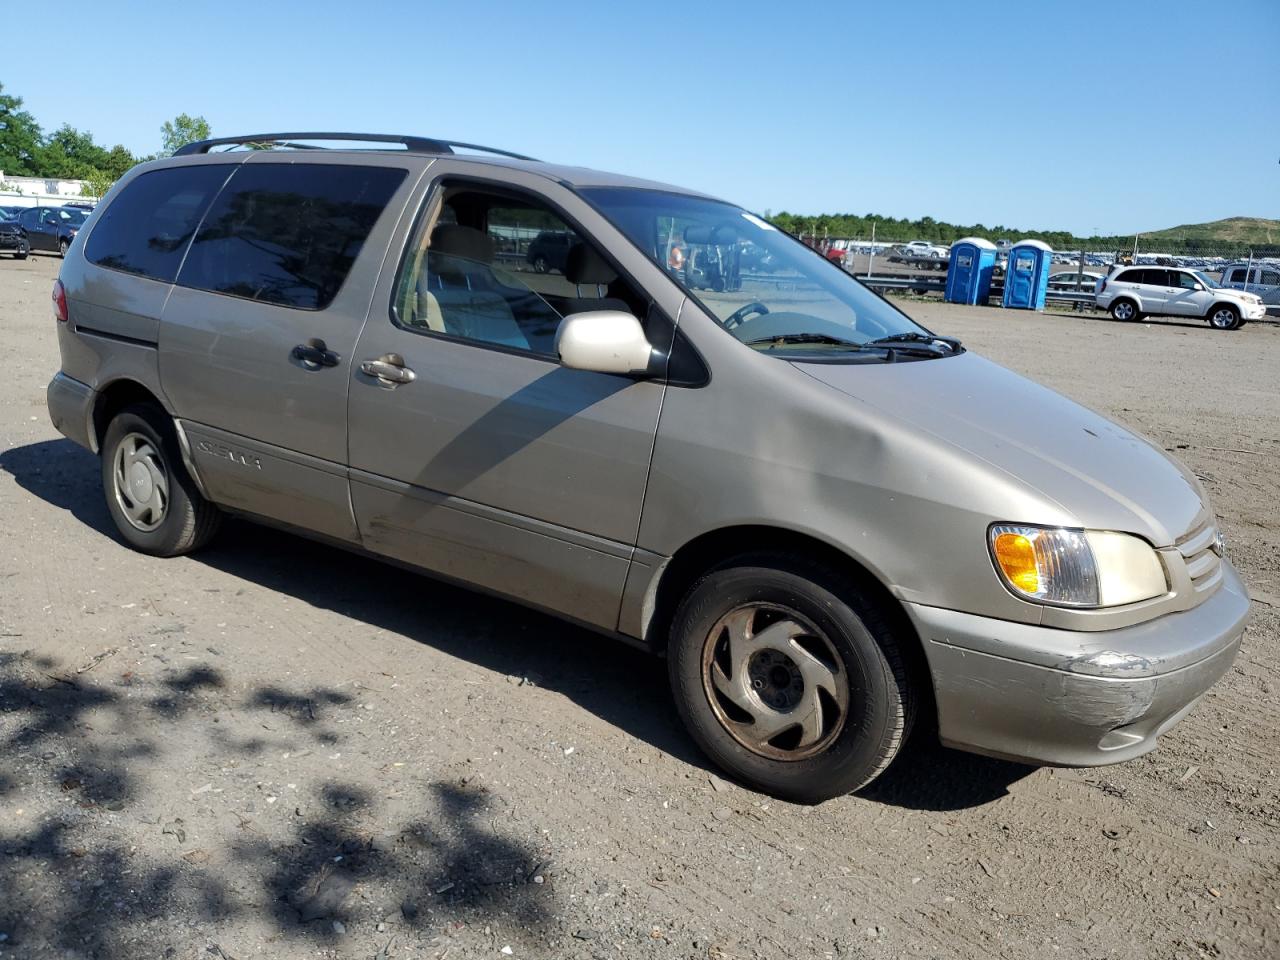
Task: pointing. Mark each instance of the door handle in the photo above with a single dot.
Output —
(389, 368)
(316, 354)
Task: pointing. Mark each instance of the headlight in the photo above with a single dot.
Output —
(1076, 568)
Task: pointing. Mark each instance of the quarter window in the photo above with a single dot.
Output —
(146, 229)
(288, 234)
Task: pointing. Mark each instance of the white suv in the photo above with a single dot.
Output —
(1130, 293)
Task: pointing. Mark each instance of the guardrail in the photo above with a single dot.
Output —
(939, 285)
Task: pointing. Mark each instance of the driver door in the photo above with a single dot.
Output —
(482, 458)
(1187, 296)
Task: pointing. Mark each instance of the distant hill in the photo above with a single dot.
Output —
(1231, 230)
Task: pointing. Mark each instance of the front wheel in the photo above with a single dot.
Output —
(150, 496)
(789, 677)
(540, 264)
(22, 252)
(63, 247)
(1224, 317)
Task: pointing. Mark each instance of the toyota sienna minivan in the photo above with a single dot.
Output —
(828, 518)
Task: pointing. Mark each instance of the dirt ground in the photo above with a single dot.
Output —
(275, 749)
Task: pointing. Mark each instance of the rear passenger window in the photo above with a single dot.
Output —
(147, 227)
(1131, 276)
(288, 233)
(1269, 278)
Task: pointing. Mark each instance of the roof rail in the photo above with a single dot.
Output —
(411, 144)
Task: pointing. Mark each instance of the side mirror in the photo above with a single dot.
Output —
(603, 341)
(1197, 286)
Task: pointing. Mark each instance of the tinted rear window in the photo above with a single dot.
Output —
(1131, 276)
(147, 227)
(288, 234)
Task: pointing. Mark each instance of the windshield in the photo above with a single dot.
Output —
(1209, 284)
(764, 287)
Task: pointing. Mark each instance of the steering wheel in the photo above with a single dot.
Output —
(740, 315)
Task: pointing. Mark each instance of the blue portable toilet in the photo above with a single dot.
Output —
(969, 273)
(1026, 276)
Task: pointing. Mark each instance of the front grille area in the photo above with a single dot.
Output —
(1199, 553)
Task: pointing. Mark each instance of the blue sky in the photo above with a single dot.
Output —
(1082, 116)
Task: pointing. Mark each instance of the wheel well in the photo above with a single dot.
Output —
(1223, 303)
(118, 395)
(703, 554)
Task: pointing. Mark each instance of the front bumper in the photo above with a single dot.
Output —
(11, 241)
(71, 409)
(1255, 311)
(1107, 695)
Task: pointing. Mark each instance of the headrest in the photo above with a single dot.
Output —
(584, 265)
(455, 240)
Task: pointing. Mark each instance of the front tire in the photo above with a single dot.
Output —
(789, 677)
(1124, 311)
(22, 252)
(150, 496)
(1223, 316)
(63, 247)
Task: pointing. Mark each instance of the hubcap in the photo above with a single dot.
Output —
(775, 682)
(1223, 318)
(141, 482)
(1124, 311)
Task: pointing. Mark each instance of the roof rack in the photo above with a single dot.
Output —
(411, 144)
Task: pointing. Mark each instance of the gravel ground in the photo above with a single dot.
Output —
(275, 749)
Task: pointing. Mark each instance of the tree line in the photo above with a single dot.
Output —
(71, 154)
(891, 229)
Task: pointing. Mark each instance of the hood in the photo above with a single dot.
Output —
(1097, 471)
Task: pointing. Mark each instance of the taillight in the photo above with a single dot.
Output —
(59, 301)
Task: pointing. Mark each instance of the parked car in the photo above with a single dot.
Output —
(549, 250)
(1130, 293)
(922, 248)
(1260, 278)
(1071, 280)
(13, 240)
(51, 228)
(829, 518)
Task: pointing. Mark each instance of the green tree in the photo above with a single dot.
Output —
(180, 131)
(71, 154)
(20, 138)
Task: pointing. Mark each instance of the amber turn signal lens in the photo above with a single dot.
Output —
(1016, 555)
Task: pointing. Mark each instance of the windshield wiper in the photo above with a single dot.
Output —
(912, 337)
(789, 338)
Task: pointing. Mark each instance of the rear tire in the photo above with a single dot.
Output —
(1223, 316)
(1125, 311)
(765, 638)
(150, 496)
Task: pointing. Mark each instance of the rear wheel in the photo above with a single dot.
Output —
(1223, 316)
(150, 496)
(789, 677)
(1124, 310)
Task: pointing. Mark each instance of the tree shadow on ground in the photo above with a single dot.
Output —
(85, 868)
(621, 685)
